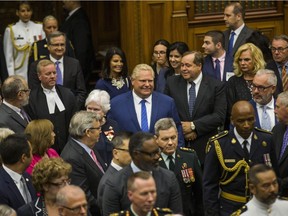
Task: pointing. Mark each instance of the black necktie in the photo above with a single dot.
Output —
(245, 150)
(192, 97)
(217, 69)
(171, 163)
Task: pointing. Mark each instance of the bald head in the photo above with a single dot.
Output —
(243, 118)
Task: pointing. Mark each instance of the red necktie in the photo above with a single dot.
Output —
(96, 161)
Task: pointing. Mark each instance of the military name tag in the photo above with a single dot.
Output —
(229, 160)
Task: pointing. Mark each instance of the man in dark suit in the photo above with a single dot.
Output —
(280, 139)
(229, 157)
(200, 101)
(87, 164)
(121, 158)
(78, 30)
(217, 63)
(39, 49)
(145, 155)
(126, 109)
(279, 49)
(70, 73)
(53, 102)
(15, 92)
(185, 165)
(263, 88)
(16, 188)
(234, 15)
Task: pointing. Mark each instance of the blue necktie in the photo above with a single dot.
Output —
(284, 144)
(192, 97)
(144, 121)
(217, 69)
(266, 122)
(59, 74)
(231, 41)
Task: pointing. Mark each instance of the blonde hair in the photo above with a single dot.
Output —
(141, 67)
(256, 55)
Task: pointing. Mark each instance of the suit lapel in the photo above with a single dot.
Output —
(178, 162)
(182, 88)
(200, 96)
(154, 111)
(14, 115)
(162, 163)
(131, 110)
(254, 144)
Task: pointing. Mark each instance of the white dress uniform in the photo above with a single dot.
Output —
(257, 208)
(18, 39)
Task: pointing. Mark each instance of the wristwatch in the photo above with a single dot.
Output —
(192, 126)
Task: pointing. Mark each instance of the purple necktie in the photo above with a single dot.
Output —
(284, 144)
(59, 80)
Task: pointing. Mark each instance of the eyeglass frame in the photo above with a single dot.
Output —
(161, 53)
(25, 90)
(121, 149)
(77, 209)
(280, 49)
(93, 128)
(150, 154)
(260, 88)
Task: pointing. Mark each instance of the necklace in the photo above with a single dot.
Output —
(118, 83)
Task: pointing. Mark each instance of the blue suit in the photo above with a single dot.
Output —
(208, 66)
(10, 194)
(163, 106)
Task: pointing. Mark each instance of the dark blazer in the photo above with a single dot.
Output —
(10, 194)
(243, 36)
(257, 121)
(34, 208)
(191, 189)
(262, 149)
(38, 109)
(78, 30)
(208, 66)
(85, 173)
(115, 192)
(10, 119)
(73, 79)
(123, 111)
(278, 133)
(209, 109)
(273, 66)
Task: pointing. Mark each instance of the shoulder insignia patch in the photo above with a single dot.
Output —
(262, 130)
(166, 210)
(239, 211)
(187, 149)
(219, 135)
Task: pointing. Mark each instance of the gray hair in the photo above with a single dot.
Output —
(4, 132)
(43, 63)
(11, 86)
(54, 35)
(164, 124)
(100, 97)
(49, 17)
(283, 97)
(80, 122)
(67, 192)
(272, 79)
(280, 37)
(140, 67)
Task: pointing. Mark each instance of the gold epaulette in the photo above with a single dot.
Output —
(219, 135)
(120, 213)
(262, 130)
(38, 22)
(187, 149)
(165, 210)
(10, 25)
(239, 211)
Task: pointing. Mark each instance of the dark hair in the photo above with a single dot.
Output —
(106, 67)
(141, 175)
(258, 168)
(161, 42)
(13, 147)
(198, 57)
(54, 35)
(237, 8)
(217, 36)
(137, 140)
(120, 137)
(24, 2)
(11, 86)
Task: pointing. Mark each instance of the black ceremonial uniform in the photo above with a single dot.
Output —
(189, 175)
(226, 170)
(154, 212)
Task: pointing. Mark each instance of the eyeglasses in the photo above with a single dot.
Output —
(61, 184)
(57, 45)
(280, 49)
(159, 53)
(25, 90)
(260, 88)
(151, 154)
(121, 149)
(77, 209)
(95, 128)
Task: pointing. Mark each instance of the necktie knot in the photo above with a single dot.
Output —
(192, 83)
(217, 61)
(57, 63)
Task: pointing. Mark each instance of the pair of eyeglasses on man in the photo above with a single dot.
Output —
(280, 49)
(260, 88)
(77, 209)
(25, 90)
(121, 149)
(151, 154)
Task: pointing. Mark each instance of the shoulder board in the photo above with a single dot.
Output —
(239, 211)
(166, 210)
(37, 22)
(219, 135)
(283, 198)
(262, 130)
(120, 213)
(187, 149)
(11, 24)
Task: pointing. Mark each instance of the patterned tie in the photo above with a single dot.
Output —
(59, 80)
(25, 116)
(231, 41)
(192, 98)
(284, 144)
(284, 78)
(171, 163)
(144, 121)
(96, 161)
(26, 193)
(266, 121)
(245, 150)
(217, 69)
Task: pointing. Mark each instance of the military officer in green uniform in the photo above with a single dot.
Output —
(141, 191)
(184, 163)
(228, 160)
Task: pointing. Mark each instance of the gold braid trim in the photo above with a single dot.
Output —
(35, 50)
(236, 169)
(25, 48)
